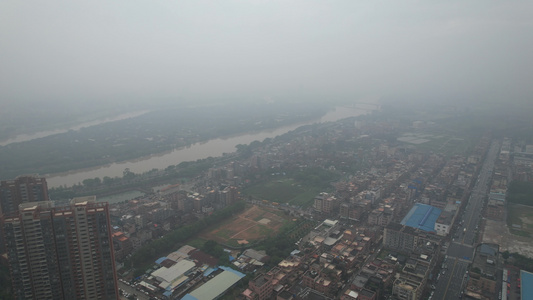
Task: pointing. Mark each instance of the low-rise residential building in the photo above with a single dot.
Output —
(407, 287)
(261, 287)
(400, 237)
(444, 223)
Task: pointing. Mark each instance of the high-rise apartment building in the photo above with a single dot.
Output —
(22, 189)
(61, 252)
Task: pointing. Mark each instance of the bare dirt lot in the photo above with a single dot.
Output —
(254, 223)
(497, 232)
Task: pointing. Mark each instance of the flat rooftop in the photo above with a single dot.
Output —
(217, 286)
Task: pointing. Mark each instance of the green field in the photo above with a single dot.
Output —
(446, 145)
(197, 242)
(449, 146)
(520, 215)
(225, 234)
(283, 191)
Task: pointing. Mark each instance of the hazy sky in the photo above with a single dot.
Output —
(265, 49)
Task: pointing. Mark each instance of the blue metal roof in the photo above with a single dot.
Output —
(160, 260)
(527, 284)
(422, 216)
(241, 275)
(209, 271)
(167, 294)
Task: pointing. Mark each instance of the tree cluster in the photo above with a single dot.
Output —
(129, 180)
(147, 254)
(518, 260)
(214, 249)
(280, 246)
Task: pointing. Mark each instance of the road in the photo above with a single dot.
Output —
(461, 250)
(132, 291)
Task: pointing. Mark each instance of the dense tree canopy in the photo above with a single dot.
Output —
(147, 254)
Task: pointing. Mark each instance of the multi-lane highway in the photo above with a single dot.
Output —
(461, 249)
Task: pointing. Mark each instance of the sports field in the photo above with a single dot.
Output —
(255, 223)
(284, 190)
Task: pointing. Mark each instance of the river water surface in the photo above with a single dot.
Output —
(211, 148)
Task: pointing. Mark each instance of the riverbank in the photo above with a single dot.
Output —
(152, 133)
(24, 137)
(211, 148)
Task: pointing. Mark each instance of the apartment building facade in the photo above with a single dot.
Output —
(61, 252)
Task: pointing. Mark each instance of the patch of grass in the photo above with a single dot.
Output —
(520, 192)
(513, 215)
(305, 199)
(233, 243)
(447, 145)
(284, 190)
(258, 230)
(260, 217)
(263, 230)
(197, 242)
(520, 233)
(275, 190)
(520, 215)
(247, 229)
(224, 233)
(458, 147)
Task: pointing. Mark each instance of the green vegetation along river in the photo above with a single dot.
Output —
(211, 148)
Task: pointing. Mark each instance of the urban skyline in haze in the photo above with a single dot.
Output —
(341, 149)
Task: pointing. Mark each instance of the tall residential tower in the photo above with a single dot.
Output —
(22, 189)
(61, 252)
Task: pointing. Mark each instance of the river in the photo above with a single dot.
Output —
(211, 148)
(26, 137)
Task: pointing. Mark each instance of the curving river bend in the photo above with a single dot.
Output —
(213, 148)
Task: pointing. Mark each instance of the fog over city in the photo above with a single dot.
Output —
(259, 150)
(265, 50)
